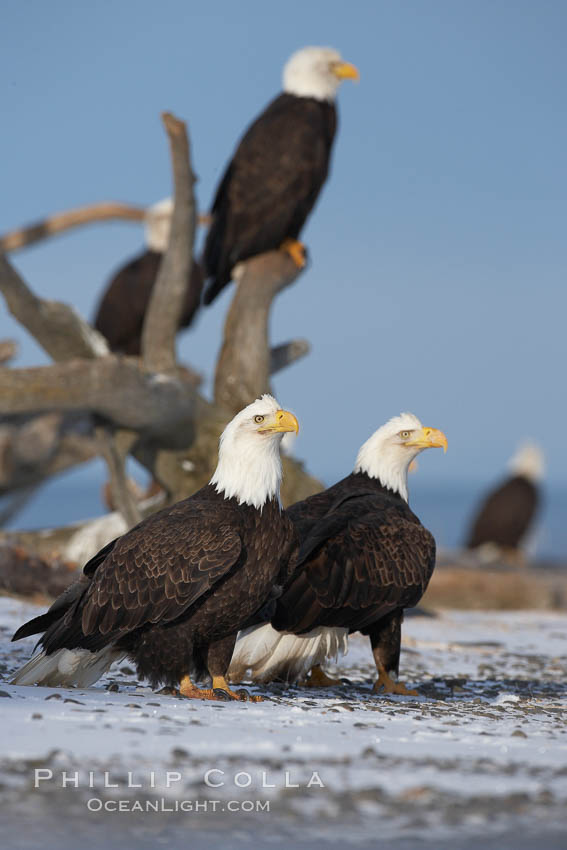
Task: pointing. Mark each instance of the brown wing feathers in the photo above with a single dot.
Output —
(150, 575)
(356, 564)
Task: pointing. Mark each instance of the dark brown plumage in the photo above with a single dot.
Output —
(171, 591)
(122, 309)
(505, 515)
(271, 184)
(364, 557)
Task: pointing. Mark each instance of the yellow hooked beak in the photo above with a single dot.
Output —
(283, 422)
(345, 71)
(429, 438)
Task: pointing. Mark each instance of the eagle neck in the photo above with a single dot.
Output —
(251, 476)
(390, 476)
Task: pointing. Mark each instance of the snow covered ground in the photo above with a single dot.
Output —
(479, 758)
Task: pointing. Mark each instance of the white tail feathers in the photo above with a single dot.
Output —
(265, 654)
(67, 668)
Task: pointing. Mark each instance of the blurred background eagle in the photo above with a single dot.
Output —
(124, 303)
(506, 514)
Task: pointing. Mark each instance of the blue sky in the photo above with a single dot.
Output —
(438, 249)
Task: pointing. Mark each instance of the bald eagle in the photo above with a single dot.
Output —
(278, 169)
(364, 556)
(122, 309)
(507, 512)
(172, 593)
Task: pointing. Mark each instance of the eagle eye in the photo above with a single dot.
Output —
(404, 434)
(259, 419)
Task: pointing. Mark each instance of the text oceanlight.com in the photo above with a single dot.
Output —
(95, 804)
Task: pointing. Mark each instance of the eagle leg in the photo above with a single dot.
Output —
(385, 639)
(296, 251)
(389, 685)
(319, 679)
(217, 662)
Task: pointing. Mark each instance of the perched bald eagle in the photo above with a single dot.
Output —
(364, 556)
(172, 593)
(122, 309)
(506, 513)
(278, 169)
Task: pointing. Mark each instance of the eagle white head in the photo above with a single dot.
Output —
(387, 454)
(157, 224)
(249, 467)
(316, 72)
(528, 462)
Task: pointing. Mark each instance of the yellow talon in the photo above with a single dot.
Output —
(220, 684)
(389, 686)
(296, 251)
(191, 691)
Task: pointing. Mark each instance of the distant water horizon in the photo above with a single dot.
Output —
(446, 509)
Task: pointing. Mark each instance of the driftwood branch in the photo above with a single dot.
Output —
(115, 454)
(166, 304)
(60, 222)
(64, 335)
(282, 356)
(244, 364)
(115, 388)
(60, 331)
(57, 223)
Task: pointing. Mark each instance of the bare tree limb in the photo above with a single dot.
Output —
(244, 364)
(282, 356)
(166, 304)
(60, 331)
(115, 457)
(57, 223)
(60, 222)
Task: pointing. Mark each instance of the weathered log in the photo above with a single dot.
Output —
(503, 588)
(115, 388)
(244, 364)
